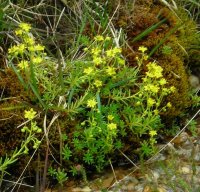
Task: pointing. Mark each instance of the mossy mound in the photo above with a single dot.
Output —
(174, 62)
(178, 33)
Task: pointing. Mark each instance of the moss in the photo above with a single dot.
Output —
(176, 75)
(10, 135)
(181, 41)
(11, 87)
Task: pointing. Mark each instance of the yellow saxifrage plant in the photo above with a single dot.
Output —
(31, 137)
(108, 103)
(119, 103)
(26, 58)
(27, 51)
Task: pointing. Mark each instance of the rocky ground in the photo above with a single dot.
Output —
(175, 169)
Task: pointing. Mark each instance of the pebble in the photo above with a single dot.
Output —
(130, 186)
(178, 160)
(194, 81)
(156, 175)
(85, 189)
(161, 189)
(186, 170)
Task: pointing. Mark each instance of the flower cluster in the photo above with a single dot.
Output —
(91, 103)
(28, 50)
(152, 135)
(32, 130)
(154, 70)
(153, 86)
(111, 125)
(106, 61)
(151, 94)
(30, 114)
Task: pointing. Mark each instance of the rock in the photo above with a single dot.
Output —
(194, 81)
(161, 189)
(139, 188)
(187, 144)
(107, 182)
(77, 189)
(130, 187)
(196, 152)
(186, 170)
(170, 148)
(186, 154)
(134, 180)
(86, 189)
(183, 137)
(147, 189)
(156, 175)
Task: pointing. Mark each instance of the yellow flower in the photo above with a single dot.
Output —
(112, 126)
(120, 61)
(96, 51)
(150, 102)
(39, 47)
(110, 71)
(152, 133)
(110, 53)
(98, 83)
(85, 49)
(31, 48)
(107, 38)
(156, 112)
(91, 103)
(23, 64)
(110, 117)
(37, 60)
(25, 27)
(172, 89)
(157, 104)
(16, 49)
(98, 38)
(30, 114)
(145, 79)
(29, 40)
(146, 87)
(165, 91)
(97, 60)
(138, 103)
(145, 57)
(152, 88)
(88, 70)
(162, 81)
(13, 50)
(142, 49)
(117, 50)
(154, 70)
(113, 52)
(19, 32)
(21, 48)
(169, 105)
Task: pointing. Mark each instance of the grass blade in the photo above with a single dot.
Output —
(148, 30)
(164, 39)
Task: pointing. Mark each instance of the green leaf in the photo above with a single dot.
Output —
(66, 152)
(164, 39)
(148, 30)
(35, 91)
(61, 176)
(19, 76)
(88, 158)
